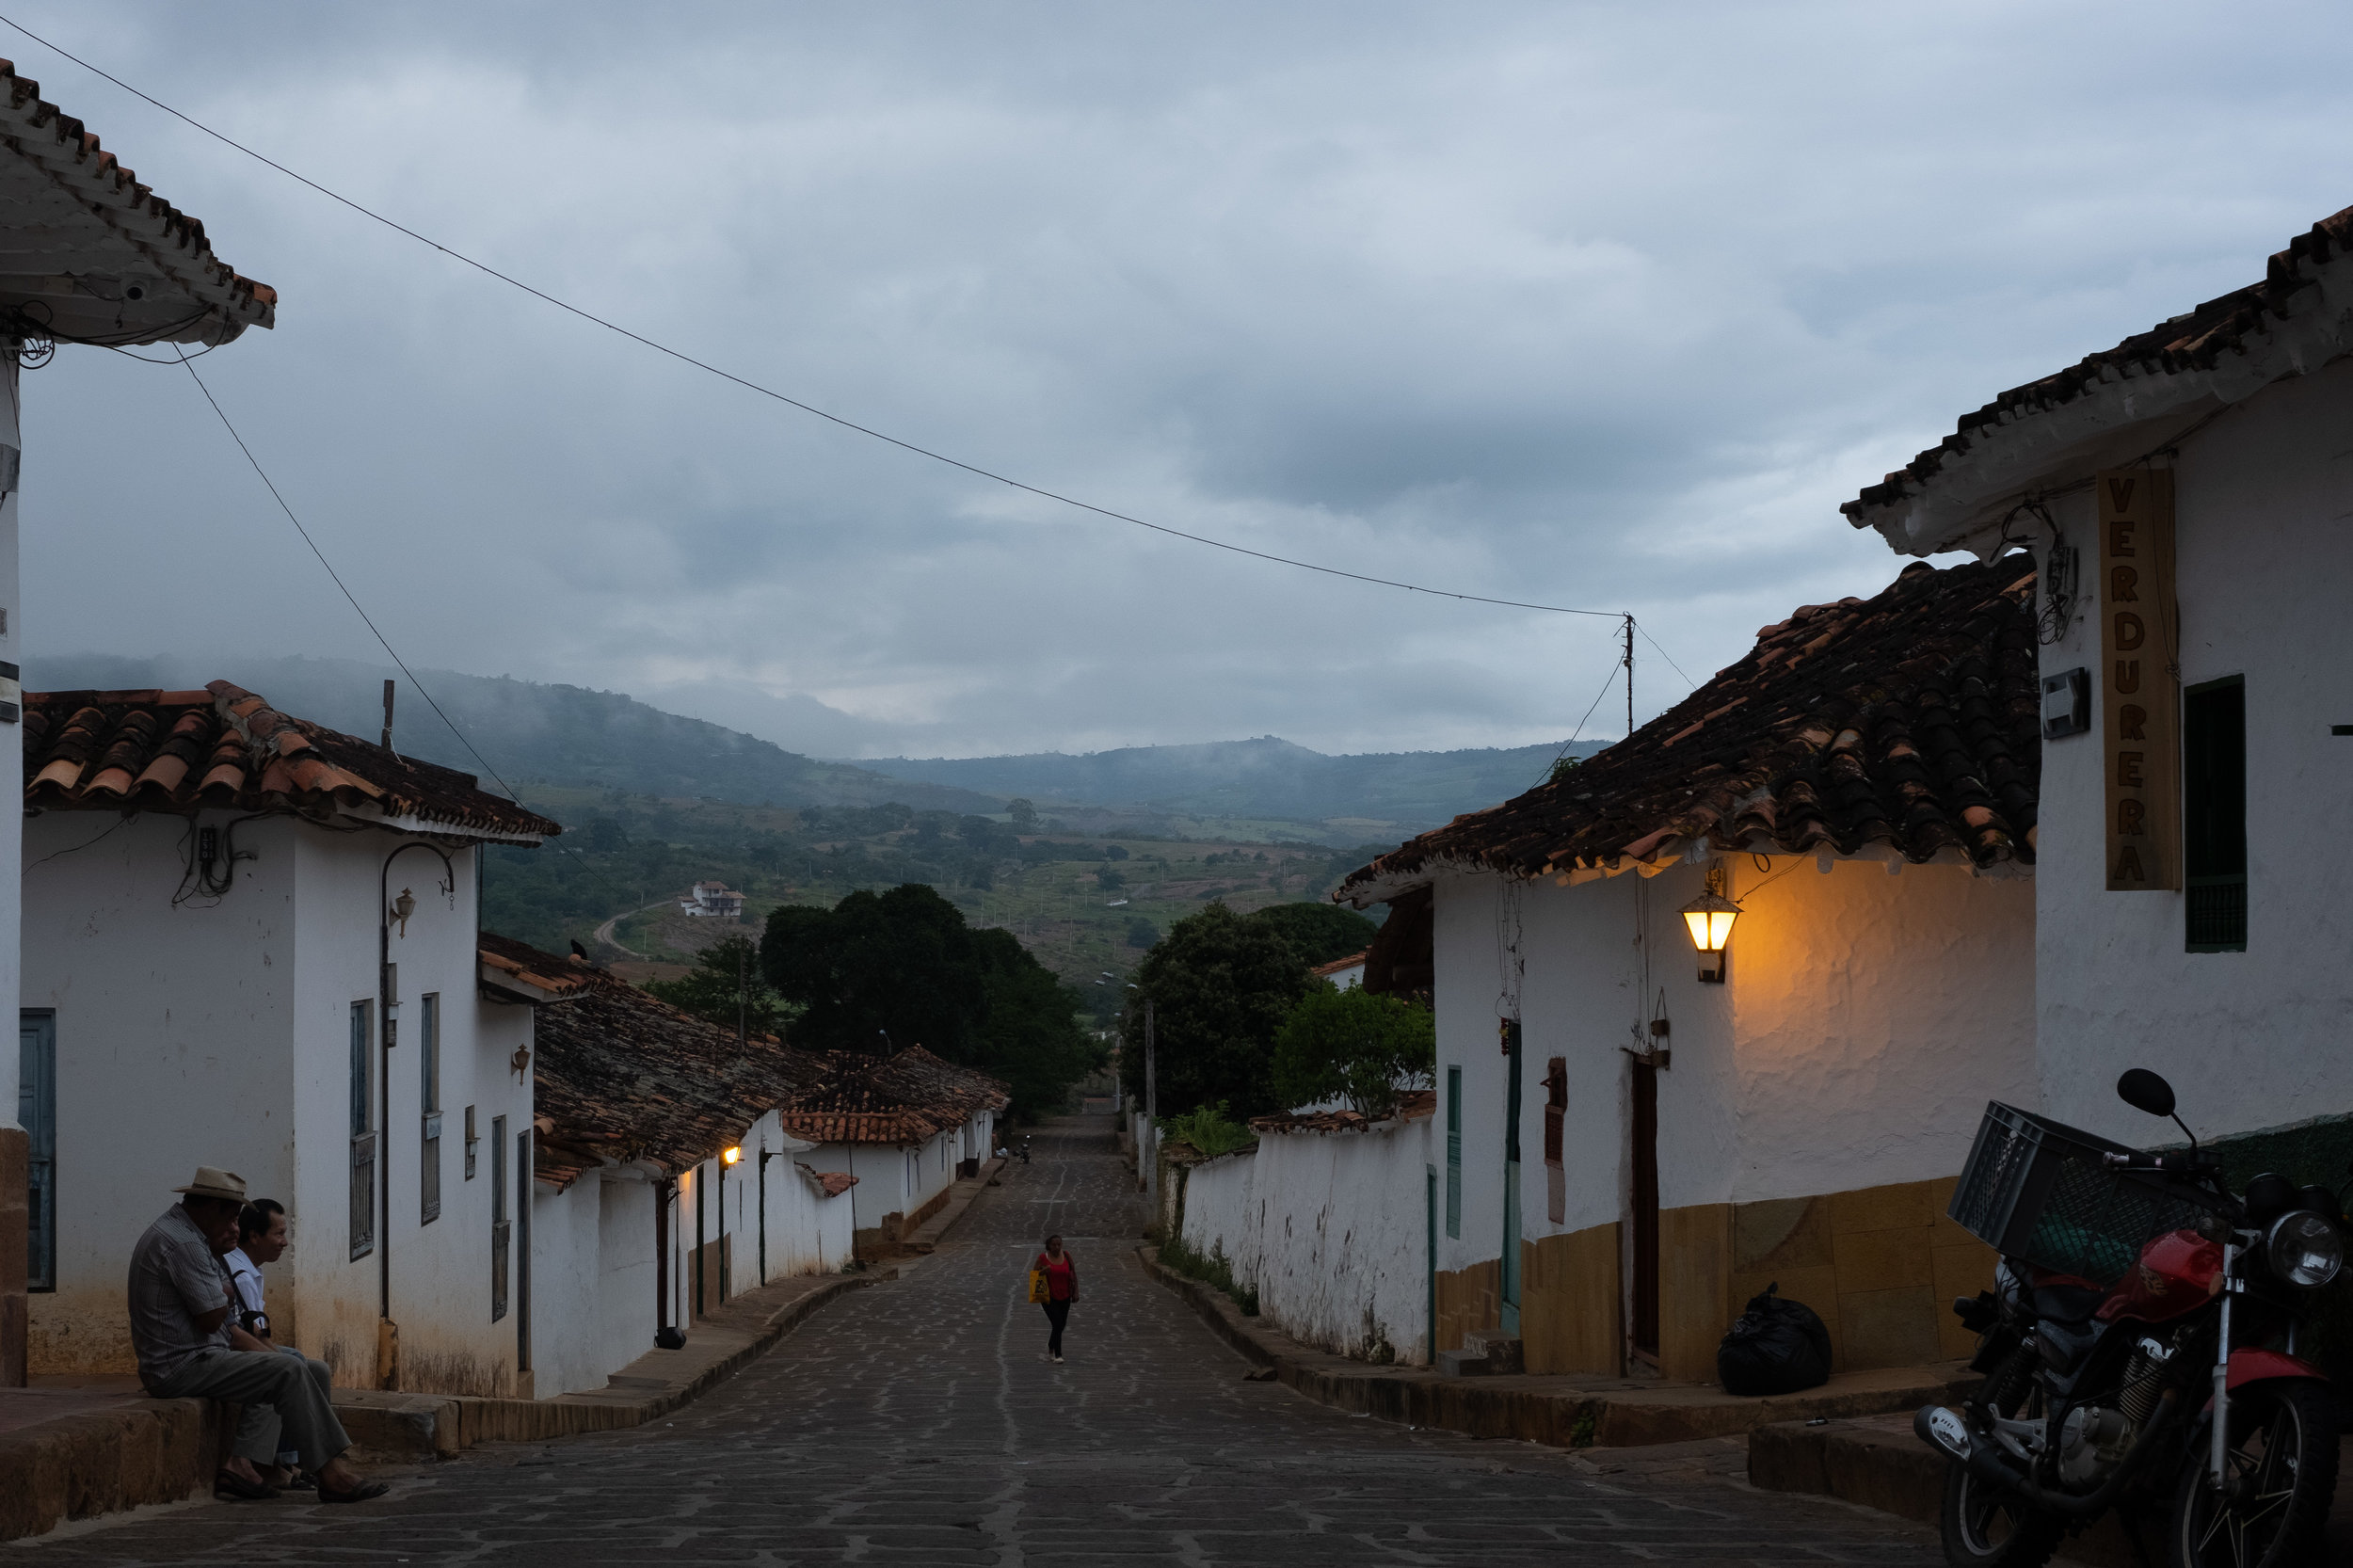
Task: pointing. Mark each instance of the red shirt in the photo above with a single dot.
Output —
(1062, 1277)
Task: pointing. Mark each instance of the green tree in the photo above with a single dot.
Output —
(1321, 932)
(1024, 814)
(727, 975)
(898, 964)
(1356, 1046)
(1029, 1034)
(1221, 985)
(1142, 932)
(904, 963)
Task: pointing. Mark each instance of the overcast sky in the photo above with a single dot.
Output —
(1604, 306)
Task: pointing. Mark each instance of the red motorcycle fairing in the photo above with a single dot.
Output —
(2178, 1273)
(2253, 1365)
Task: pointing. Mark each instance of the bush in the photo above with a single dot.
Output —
(1178, 1258)
(1208, 1129)
(1356, 1046)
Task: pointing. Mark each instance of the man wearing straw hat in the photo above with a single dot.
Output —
(181, 1303)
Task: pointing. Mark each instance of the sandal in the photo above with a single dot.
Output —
(230, 1487)
(362, 1493)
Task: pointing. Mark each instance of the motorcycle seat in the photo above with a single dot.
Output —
(2067, 1303)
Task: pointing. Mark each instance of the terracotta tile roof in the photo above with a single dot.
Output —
(526, 973)
(1351, 961)
(1909, 719)
(908, 1098)
(2225, 347)
(225, 747)
(832, 1183)
(620, 1076)
(1411, 1106)
(90, 252)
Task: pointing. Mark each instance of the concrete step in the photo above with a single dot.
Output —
(1566, 1412)
(1876, 1460)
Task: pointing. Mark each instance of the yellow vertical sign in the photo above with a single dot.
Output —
(2140, 680)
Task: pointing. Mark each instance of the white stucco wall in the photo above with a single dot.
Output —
(1331, 1228)
(1867, 1019)
(218, 1033)
(2263, 574)
(1222, 1212)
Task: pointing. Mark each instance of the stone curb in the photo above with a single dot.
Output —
(407, 1427)
(1508, 1407)
(161, 1450)
(1876, 1462)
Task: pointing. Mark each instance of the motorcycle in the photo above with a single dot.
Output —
(2140, 1351)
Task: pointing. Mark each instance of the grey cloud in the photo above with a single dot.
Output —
(1599, 305)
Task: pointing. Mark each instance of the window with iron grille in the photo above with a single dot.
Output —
(36, 1114)
(2214, 815)
(1454, 1152)
(429, 1103)
(362, 1130)
(499, 1226)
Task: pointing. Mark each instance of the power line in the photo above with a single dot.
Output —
(769, 391)
(373, 630)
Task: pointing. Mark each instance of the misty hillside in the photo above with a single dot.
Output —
(529, 733)
(1265, 778)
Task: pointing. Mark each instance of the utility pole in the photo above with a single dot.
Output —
(742, 1001)
(1152, 1109)
(1630, 674)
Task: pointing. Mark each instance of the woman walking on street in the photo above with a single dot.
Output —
(1059, 1277)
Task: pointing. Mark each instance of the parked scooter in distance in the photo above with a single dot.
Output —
(2140, 1351)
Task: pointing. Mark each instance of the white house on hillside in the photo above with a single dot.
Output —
(713, 901)
(251, 944)
(1636, 1136)
(88, 255)
(2185, 494)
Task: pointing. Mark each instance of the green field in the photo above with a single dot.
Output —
(1082, 902)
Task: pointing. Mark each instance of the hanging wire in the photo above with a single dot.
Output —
(752, 386)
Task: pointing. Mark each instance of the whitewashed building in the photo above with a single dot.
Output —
(88, 255)
(1627, 1148)
(666, 1184)
(906, 1126)
(252, 944)
(2185, 494)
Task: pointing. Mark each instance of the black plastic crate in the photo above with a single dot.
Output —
(2038, 1189)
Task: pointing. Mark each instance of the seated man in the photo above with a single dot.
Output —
(262, 1237)
(180, 1301)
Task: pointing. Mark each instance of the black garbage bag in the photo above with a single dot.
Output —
(1778, 1346)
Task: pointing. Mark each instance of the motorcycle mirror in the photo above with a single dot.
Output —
(2145, 1091)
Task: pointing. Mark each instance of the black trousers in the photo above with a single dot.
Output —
(1058, 1314)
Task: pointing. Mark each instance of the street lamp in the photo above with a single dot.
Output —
(1709, 919)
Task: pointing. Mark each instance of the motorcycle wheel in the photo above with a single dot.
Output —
(1985, 1526)
(2282, 1468)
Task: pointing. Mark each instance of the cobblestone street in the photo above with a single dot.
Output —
(920, 1422)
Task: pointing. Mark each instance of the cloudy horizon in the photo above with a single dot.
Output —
(1595, 305)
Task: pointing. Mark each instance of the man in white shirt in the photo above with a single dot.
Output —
(261, 1238)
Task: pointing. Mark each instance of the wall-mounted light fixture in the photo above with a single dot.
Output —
(734, 1155)
(403, 907)
(1709, 917)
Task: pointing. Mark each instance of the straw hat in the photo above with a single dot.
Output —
(212, 1182)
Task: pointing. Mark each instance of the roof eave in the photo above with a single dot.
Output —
(2135, 411)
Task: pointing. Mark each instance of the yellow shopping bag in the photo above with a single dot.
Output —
(1037, 1286)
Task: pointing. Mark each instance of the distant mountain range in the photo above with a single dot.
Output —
(529, 732)
(1264, 778)
(572, 735)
